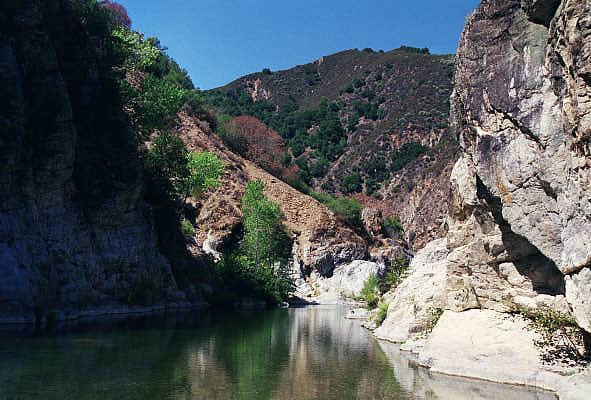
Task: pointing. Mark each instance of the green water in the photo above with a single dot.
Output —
(306, 353)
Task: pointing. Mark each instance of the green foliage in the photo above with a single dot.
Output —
(137, 52)
(406, 154)
(262, 225)
(205, 171)
(377, 168)
(267, 71)
(358, 83)
(367, 110)
(157, 104)
(392, 226)
(398, 271)
(351, 183)
(382, 312)
(187, 227)
(370, 293)
(561, 339)
(166, 165)
(346, 208)
(262, 258)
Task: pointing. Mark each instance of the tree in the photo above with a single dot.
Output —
(262, 225)
(166, 164)
(118, 12)
(205, 171)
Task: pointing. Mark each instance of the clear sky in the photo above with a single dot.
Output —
(218, 41)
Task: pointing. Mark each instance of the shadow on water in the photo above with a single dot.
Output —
(304, 353)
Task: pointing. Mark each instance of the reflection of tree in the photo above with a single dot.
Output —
(253, 348)
(280, 354)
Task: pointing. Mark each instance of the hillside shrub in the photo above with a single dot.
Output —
(351, 183)
(406, 154)
(398, 271)
(382, 312)
(205, 170)
(166, 166)
(561, 339)
(392, 226)
(347, 208)
(260, 265)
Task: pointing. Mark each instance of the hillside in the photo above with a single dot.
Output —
(368, 124)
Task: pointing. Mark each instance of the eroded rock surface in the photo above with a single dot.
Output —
(75, 234)
(520, 206)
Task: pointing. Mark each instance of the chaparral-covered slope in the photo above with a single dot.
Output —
(390, 145)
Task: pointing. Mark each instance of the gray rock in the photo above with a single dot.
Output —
(76, 237)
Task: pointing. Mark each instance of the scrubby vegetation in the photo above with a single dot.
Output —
(392, 226)
(406, 154)
(370, 293)
(435, 314)
(561, 339)
(346, 208)
(259, 266)
(398, 271)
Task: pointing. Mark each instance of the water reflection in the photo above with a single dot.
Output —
(311, 353)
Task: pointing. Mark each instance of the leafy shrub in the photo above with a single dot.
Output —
(351, 183)
(260, 265)
(382, 312)
(347, 208)
(155, 105)
(133, 49)
(358, 83)
(392, 226)
(406, 154)
(166, 165)
(561, 338)
(435, 314)
(205, 171)
(370, 293)
(187, 227)
(267, 71)
(398, 271)
(414, 50)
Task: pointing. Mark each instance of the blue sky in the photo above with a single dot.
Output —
(218, 41)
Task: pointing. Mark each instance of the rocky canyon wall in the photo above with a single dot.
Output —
(75, 234)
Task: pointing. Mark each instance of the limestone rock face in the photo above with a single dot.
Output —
(520, 205)
(520, 215)
(409, 311)
(346, 282)
(487, 345)
(75, 234)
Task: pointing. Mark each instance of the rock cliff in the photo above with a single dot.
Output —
(520, 206)
(75, 234)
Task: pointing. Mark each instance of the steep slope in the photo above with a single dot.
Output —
(75, 234)
(362, 122)
(519, 212)
(321, 240)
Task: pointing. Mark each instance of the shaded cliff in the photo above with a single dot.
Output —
(75, 233)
